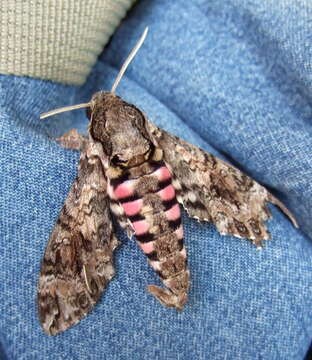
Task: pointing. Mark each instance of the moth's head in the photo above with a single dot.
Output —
(119, 127)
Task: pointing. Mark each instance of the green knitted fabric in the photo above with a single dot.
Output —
(55, 39)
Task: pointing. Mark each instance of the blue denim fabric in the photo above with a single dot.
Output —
(232, 77)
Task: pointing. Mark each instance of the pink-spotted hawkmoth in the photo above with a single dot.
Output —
(131, 169)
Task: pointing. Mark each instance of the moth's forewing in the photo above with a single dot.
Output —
(78, 260)
(212, 190)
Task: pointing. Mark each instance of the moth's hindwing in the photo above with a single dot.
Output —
(215, 191)
(78, 260)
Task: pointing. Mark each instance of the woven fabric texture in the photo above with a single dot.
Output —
(56, 40)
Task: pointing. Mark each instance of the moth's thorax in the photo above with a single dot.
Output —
(119, 126)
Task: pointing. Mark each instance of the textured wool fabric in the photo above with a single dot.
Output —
(56, 40)
(231, 77)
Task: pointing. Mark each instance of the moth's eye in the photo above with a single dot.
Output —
(88, 112)
(117, 160)
(131, 111)
(135, 114)
(139, 120)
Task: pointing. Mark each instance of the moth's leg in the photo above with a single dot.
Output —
(72, 140)
(118, 211)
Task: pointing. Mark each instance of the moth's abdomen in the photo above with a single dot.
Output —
(149, 203)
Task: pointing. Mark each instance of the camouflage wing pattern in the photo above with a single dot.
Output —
(215, 191)
(78, 263)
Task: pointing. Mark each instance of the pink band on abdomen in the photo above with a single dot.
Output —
(140, 227)
(132, 207)
(125, 189)
(173, 213)
(168, 193)
(147, 247)
(163, 174)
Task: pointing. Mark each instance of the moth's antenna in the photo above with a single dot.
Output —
(129, 59)
(63, 109)
(117, 81)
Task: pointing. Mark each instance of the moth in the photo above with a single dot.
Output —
(138, 173)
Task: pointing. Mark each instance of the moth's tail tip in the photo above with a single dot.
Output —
(168, 298)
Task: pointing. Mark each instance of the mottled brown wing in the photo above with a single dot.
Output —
(78, 263)
(215, 191)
